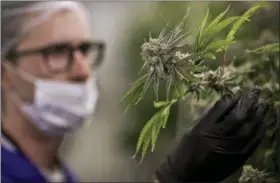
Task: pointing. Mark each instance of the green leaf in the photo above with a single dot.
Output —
(137, 91)
(192, 68)
(200, 31)
(269, 48)
(146, 144)
(144, 134)
(220, 26)
(211, 32)
(161, 104)
(150, 132)
(159, 122)
(209, 55)
(182, 25)
(178, 89)
(185, 75)
(245, 17)
(215, 45)
(165, 115)
(217, 19)
(155, 133)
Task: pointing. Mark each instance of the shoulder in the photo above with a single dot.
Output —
(6, 178)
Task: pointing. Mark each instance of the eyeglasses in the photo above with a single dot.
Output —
(59, 57)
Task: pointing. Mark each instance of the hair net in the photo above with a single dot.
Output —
(14, 22)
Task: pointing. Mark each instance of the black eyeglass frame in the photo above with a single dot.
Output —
(45, 51)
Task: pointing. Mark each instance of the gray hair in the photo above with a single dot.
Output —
(14, 24)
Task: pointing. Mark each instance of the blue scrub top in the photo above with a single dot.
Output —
(16, 167)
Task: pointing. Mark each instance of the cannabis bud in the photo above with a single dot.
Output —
(164, 61)
(159, 53)
(252, 175)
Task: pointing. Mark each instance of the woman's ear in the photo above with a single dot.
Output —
(15, 80)
(4, 78)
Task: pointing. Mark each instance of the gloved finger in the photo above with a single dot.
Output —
(245, 104)
(242, 112)
(246, 134)
(242, 127)
(256, 118)
(254, 130)
(261, 110)
(239, 144)
(220, 109)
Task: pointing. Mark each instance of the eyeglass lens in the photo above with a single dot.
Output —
(60, 57)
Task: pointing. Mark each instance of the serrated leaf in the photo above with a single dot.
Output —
(217, 19)
(215, 45)
(220, 26)
(165, 115)
(155, 133)
(245, 17)
(211, 32)
(160, 121)
(200, 31)
(182, 24)
(137, 91)
(144, 134)
(137, 83)
(269, 48)
(146, 145)
(150, 132)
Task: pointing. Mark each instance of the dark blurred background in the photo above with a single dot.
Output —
(103, 150)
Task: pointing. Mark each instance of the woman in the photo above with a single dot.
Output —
(49, 58)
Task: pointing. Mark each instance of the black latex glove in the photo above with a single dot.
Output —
(225, 137)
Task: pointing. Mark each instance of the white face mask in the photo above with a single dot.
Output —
(60, 107)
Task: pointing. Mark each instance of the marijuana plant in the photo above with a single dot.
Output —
(179, 66)
(252, 175)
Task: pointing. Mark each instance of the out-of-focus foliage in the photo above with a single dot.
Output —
(245, 56)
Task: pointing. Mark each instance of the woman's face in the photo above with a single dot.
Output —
(61, 31)
(58, 49)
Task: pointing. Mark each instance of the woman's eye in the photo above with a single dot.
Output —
(85, 48)
(59, 50)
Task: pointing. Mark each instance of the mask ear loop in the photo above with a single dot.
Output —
(22, 83)
(92, 85)
(14, 75)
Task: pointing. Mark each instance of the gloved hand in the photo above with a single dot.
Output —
(225, 137)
